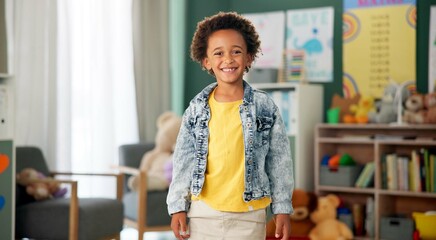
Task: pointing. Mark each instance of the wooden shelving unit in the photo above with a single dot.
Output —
(359, 141)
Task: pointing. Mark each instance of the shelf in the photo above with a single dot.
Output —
(346, 189)
(407, 193)
(370, 143)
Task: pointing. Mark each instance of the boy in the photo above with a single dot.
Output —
(232, 157)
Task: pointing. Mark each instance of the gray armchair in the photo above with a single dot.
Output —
(144, 210)
(64, 218)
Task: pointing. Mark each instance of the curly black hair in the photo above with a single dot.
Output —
(221, 21)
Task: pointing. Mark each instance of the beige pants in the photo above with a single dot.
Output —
(206, 223)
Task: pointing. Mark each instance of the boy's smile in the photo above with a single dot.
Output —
(227, 56)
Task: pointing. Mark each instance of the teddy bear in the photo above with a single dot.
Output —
(414, 109)
(327, 227)
(156, 161)
(303, 203)
(39, 190)
(430, 105)
(361, 110)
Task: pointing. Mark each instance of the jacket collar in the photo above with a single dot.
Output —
(203, 96)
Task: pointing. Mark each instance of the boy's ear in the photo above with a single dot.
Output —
(206, 63)
(249, 60)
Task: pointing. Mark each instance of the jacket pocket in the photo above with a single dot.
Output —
(263, 128)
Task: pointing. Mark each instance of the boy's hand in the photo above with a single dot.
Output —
(179, 226)
(283, 226)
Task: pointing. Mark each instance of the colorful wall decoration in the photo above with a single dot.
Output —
(311, 30)
(6, 189)
(373, 54)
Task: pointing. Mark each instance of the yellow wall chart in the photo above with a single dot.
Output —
(379, 45)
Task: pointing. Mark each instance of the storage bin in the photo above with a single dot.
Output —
(344, 176)
(396, 228)
(425, 223)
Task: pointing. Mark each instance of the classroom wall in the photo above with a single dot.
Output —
(196, 79)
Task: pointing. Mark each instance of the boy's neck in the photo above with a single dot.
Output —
(229, 92)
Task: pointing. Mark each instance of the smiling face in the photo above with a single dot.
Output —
(227, 56)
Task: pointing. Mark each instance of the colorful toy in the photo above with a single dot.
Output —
(361, 110)
(344, 105)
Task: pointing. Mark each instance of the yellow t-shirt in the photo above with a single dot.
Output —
(224, 178)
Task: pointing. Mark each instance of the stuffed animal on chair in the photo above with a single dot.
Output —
(39, 190)
(327, 226)
(157, 160)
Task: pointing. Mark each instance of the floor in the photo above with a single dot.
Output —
(132, 234)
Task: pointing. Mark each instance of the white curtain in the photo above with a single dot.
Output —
(75, 85)
(152, 67)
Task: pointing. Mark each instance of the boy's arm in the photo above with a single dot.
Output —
(178, 198)
(279, 168)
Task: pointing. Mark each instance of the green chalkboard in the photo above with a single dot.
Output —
(6, 189)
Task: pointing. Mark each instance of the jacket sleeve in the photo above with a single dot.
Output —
(279, 167)
(179, 196)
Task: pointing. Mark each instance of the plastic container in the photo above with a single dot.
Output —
(396, 228)
(426, 224)
(344, 176)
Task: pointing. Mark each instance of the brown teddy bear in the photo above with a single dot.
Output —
(327, 226)
(304, 203)
(430, 105)
(39, 190)
(414, 109)
(154, 161)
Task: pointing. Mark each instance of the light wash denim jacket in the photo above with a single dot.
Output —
(268, 164)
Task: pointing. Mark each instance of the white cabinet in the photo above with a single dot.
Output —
(301, 108)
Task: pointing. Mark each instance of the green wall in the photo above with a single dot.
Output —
(196, 79)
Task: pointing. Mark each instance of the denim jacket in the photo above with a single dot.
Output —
(268, 164)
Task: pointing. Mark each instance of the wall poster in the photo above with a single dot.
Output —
(379, 45)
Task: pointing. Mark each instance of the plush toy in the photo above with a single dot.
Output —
(39, 190)
(414, 109)
(361, 110)
(154, 161)
(430, 105)
(327, 226)
(304, 203)
(344, 105)
(387, 106)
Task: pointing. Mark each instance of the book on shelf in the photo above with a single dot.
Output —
(416, 172)
(403, 172)
(366, 177)
(413, 172)
(432, 158)
(391, 171)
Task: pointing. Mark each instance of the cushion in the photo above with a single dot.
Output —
(157, 212)
(98, 217)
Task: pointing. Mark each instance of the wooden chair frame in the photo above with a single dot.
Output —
(73, 232)
(141, 223)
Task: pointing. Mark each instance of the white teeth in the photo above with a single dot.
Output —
(228, 69)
